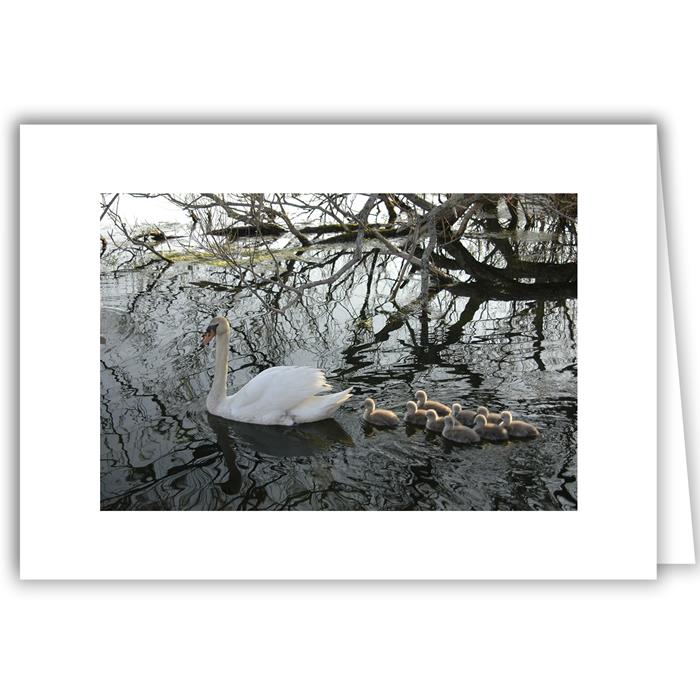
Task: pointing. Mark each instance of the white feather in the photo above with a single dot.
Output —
(277, 396)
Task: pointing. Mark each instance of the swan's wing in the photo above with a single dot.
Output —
(279, 389)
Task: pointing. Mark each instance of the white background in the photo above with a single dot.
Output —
(505, 61)
(611, 535)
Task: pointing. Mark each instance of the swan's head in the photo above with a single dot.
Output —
(480, 421)
(506, 417)
(449, 422)
(431, 415)
(456, 408)
(422, 397)
(219, 326)
(369, 404)
(411, 407)
(482, 410)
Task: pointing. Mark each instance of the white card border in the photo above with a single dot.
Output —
(64, 534)
(676, 543)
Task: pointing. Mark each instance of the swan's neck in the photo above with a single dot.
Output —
(218, 386)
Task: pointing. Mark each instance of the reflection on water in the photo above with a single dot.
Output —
(277, 440)
(162, 451)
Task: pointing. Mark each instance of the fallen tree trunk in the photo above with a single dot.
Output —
(348, 232)
(517, 291)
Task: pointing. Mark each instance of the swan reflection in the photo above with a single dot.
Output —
(279, 441)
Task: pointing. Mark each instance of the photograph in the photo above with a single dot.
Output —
(338, 351)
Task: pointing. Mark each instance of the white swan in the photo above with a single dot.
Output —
(277, 396)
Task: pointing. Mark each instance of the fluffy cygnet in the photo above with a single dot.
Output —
(415, 415)
(426, 404)
(518, 428)
(378, 416)
(490, 417)
(489, 431)
(457, 432)
(433, 422)
(463, 415)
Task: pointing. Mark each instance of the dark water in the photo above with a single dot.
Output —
(162, 451)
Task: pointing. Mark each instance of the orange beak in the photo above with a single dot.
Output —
(208, 336)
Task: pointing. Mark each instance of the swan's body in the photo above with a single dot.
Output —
(490, 417)
(489, 431)
(415, 415)
(457, 432)
(463, 415)
(277, 396)
(433, 422)
(518, 428)
(425, 404)
(379, 416)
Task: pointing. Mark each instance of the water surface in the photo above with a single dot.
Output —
(162, 451)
